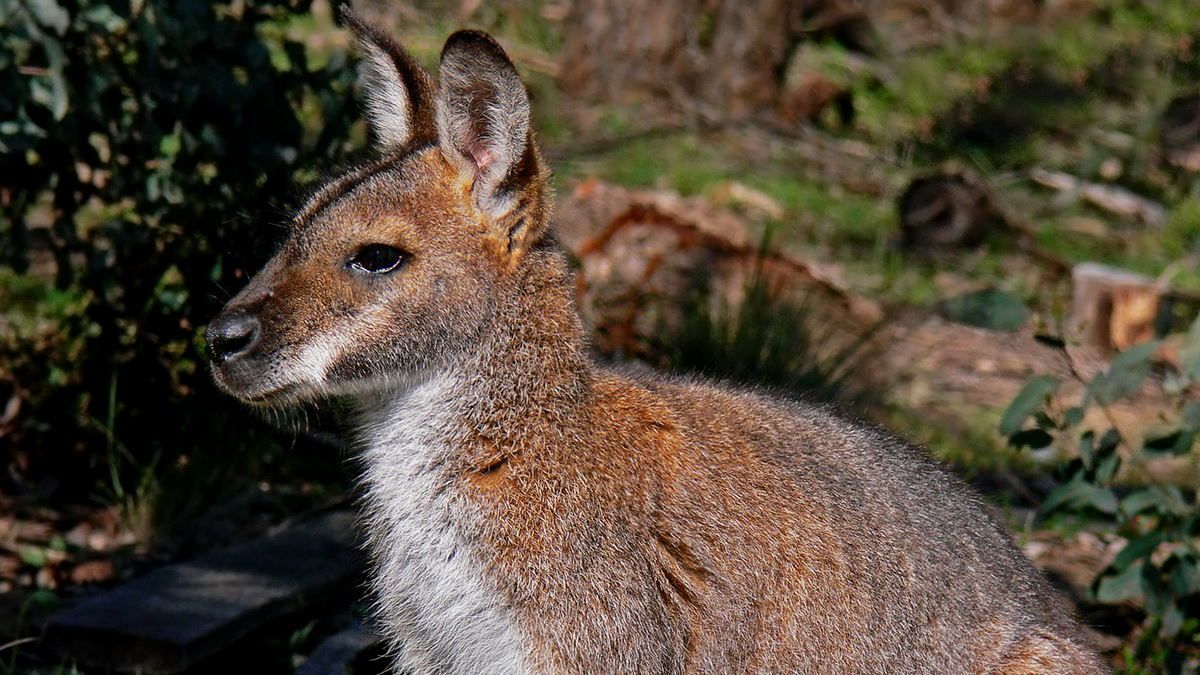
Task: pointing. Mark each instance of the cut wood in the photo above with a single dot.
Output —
(1111, 198)
(733, 192)
(176, 616)
(1113, 309)
(946, 209)
(1179, 132)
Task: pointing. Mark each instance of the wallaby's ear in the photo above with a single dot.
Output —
(483, 119)
(397, 90)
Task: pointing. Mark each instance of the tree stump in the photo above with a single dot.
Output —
(723, 59)
(1113, 309)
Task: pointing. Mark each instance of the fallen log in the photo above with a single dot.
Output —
(176, 616)
(642, 254)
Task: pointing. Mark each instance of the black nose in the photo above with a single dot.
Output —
(231, 334)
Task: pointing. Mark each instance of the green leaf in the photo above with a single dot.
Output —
(1107, 468)
(1173, 619)
(44, 597)
(1156, 597)
(1178, 443)
(34, 557)
(103, 17)
(1032, 397)
(1073, 416)
(1190, 354)
(1078, 495)
(1095, 454)
(1139, 501)
(1162, 499)
(1044, 421)
(169, 145)
(1087, 449)
(1185, 577)
(1108, 443)
(50, 14)
(992, 309)
(1121, 587)
(1136, 549)
(1124, 375)
(50, 89)
(1035, 439)
(1190, 419)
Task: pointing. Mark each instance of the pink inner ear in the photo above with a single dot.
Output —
(480, 154)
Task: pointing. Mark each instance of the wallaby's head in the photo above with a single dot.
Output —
(394, 266)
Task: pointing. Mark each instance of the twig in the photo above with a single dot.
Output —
(1111, 198)
(595, 146)
(16, 643)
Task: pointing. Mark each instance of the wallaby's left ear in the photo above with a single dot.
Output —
(483, 119)
(398, 92)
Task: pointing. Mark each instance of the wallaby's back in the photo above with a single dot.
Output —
(899, 568)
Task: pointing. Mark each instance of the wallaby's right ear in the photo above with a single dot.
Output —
(399, 94)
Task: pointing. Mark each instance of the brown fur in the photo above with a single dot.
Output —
(611, 522)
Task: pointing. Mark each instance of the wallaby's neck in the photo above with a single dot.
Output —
(530, 371)
(532, 365)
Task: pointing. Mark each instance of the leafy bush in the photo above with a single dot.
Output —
(137, 140)
(1159, 567)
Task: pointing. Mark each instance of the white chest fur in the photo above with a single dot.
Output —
(433, 600)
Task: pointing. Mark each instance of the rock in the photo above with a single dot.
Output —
(345, 652)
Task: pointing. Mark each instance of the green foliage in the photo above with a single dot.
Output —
(138, 139)
(1159, 567)
(992, 309)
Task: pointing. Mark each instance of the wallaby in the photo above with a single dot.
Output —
(531, 511)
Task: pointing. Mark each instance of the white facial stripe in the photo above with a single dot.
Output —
(315, 360)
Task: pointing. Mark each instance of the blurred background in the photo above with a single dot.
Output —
(975, 222)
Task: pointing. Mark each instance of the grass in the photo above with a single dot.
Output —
(924, 85)
(1140, 248)
(766, 339)
(973, 447)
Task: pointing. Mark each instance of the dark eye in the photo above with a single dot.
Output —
(377, 259)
